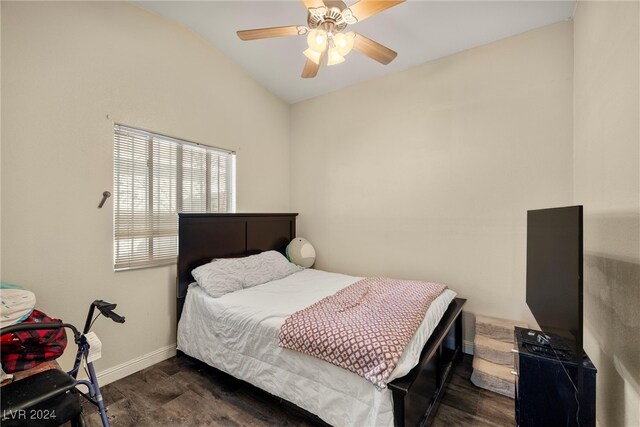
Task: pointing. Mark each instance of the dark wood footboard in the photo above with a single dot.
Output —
(416, 395)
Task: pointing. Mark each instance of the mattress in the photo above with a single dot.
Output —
(238, 334)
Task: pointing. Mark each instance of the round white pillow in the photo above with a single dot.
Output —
(301, 252)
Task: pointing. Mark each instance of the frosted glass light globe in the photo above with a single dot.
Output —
(312, 55)
(334, 57)
(317, 40)
(344, 42)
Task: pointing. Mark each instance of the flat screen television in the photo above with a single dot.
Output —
(554, 275)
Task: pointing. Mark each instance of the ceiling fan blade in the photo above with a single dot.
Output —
(373, 50)
(363, 9)
(312, 4)
(310, 69)
(265, 33)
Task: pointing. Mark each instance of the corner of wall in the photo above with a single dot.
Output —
(606, 153)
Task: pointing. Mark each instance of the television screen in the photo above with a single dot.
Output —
(554, 274)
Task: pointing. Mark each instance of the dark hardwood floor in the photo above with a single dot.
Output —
(183, 392)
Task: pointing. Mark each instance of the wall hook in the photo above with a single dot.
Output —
(105, 196)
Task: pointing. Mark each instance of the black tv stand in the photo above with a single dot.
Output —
(550, 385)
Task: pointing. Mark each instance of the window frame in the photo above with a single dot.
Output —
(120, 133)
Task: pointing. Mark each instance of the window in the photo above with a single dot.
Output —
(155, 177)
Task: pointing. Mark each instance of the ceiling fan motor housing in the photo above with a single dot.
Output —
(331, 20)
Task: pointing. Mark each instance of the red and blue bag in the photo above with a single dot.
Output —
(26, 349)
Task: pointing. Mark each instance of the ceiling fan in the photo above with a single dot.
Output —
(326, 38)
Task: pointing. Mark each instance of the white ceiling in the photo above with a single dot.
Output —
(418, 30)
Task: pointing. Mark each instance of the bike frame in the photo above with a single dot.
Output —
(94, 394)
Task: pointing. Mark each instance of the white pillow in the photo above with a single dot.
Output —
(219, 277)
(265, 267)
(224, 275)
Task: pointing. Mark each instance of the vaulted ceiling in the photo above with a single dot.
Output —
(419, 31)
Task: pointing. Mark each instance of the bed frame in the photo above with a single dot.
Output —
(206, 236)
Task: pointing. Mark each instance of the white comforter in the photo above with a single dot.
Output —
(238, 334)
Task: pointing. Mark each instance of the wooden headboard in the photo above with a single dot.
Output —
(202, 237)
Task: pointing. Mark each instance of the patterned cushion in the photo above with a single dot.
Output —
(224, 275)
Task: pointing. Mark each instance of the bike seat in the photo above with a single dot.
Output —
(31, 391)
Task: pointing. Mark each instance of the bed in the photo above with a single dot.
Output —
(237, 333)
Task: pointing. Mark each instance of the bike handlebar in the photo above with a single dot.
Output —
(38, 326)
(106, 309)
(114, 316)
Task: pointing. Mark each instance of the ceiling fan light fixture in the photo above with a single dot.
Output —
(327, 35)
(344, 42)
(334, 57)
(317, 40)
(312, 55)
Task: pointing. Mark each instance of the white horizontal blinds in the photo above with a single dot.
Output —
(155, 177)
(220, 182)
(163, 244)
(132, 226)
(194, 179)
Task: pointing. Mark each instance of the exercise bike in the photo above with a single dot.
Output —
(52, 397)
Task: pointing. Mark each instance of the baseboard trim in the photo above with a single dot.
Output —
(467, 347)
(134, 365)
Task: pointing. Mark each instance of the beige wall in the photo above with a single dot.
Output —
(428, 173)
(607, 182)
(69, 71)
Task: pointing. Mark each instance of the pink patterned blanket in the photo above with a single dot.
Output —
(364, 327)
